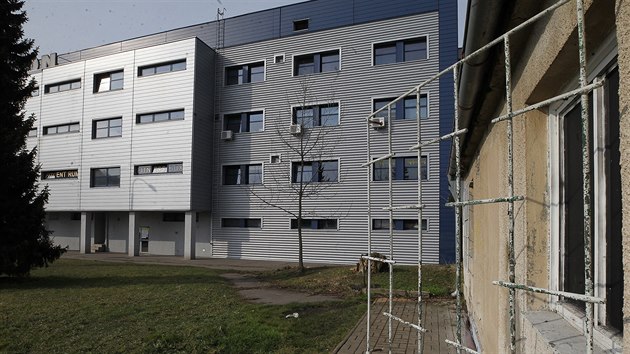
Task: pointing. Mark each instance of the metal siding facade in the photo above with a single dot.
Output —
(353, 87)
(448, 56)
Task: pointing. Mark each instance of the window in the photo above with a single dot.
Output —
(275, 158)
(75, 216)
(399, 224)
(403, 109)
(61, 129)
(278, 59)
(162, 68)
(242, 174)
(568, 203)
(63, 86)
(400, 51)
(315, 171)
(316, 63)
(159, 168)
(403, 168)
(107, 128)
(173, 217)
(160, 116)
(105, 177)
(320, 115)
(32, 133)
(108, 81)
(242, 74)
(35, 91)
(319, 224)
(241, 222)
(244, 122)
(300, 25)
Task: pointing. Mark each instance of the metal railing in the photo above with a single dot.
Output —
(458, 203)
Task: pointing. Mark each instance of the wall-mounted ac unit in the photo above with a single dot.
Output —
(227, 135)
(377, 122)
(295, 129)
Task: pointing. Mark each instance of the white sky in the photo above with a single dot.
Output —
(63, 26)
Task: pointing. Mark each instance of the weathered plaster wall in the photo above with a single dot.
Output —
(622, 9)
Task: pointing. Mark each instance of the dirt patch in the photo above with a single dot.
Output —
(259, 292)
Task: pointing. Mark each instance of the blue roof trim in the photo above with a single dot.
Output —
(448, 55)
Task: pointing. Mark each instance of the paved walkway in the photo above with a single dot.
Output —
(439, 320)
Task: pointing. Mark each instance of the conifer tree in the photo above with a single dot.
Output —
(24, 239)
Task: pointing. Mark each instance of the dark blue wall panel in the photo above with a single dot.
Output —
(322, 14)
(254, 27)
(448, 56)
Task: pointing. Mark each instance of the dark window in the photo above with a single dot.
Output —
(160, 116)
(404, 108)
(244, 122)
(108, 81)
(399, 51)
(105, 177)
(159, 168)
(162, 68)
(61, 129)
(173, 217)
(316, 63)
(399, 224)
(312, 116)
(242, 174)
(63, 86)
(320, 224)
(106, 128)
(278, 58)
(75, 216)
(300, 25)
(32, 133)
(241, 222)
(242, 74)
(404, 168)
(315, 171)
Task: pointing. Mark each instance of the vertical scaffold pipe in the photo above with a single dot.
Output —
(510, 158)
(458, 213)
(418, 141)
(369, 237)
(391, 225)
(586, 178)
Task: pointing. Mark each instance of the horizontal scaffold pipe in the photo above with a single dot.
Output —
(433, 141)
(379, 159)
(375, 259)
(412, 206)
(418, 328)
(486, 201)
(459, 346)
(574, 296)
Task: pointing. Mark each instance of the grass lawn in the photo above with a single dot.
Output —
(96, 307)
(438, 280)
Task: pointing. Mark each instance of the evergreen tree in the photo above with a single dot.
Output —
(24, 239)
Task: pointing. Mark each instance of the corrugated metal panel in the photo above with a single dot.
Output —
(353, 87)
(322, 14)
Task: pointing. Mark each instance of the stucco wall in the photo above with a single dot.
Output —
(623, 42)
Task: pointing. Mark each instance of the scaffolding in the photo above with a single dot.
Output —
(458, 203)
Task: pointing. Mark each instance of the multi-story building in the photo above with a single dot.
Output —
(180, 143)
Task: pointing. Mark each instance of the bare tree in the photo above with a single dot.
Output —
(304, 152)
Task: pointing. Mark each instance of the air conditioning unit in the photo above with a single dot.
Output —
(227, 135)
(295, 129)
(377, 122)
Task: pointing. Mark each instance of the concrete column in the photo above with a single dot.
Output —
(190, 227)
(85, 242)
(133, 242)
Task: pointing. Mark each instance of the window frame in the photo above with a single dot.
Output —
(399, 107)
(108, 185)
(604, 62)
(315, 224)
(399, 43)
(69, 131)
(169, 112)
(245, 120)
(153, 166)
(139, 72)
(243, 173)
(98, 77)
(317, 109)
(295, 164)
(58, 85)
(243, 223)
(399, 171)
(399, 224)
(245, 67)
(109, 127)
(317, 64)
